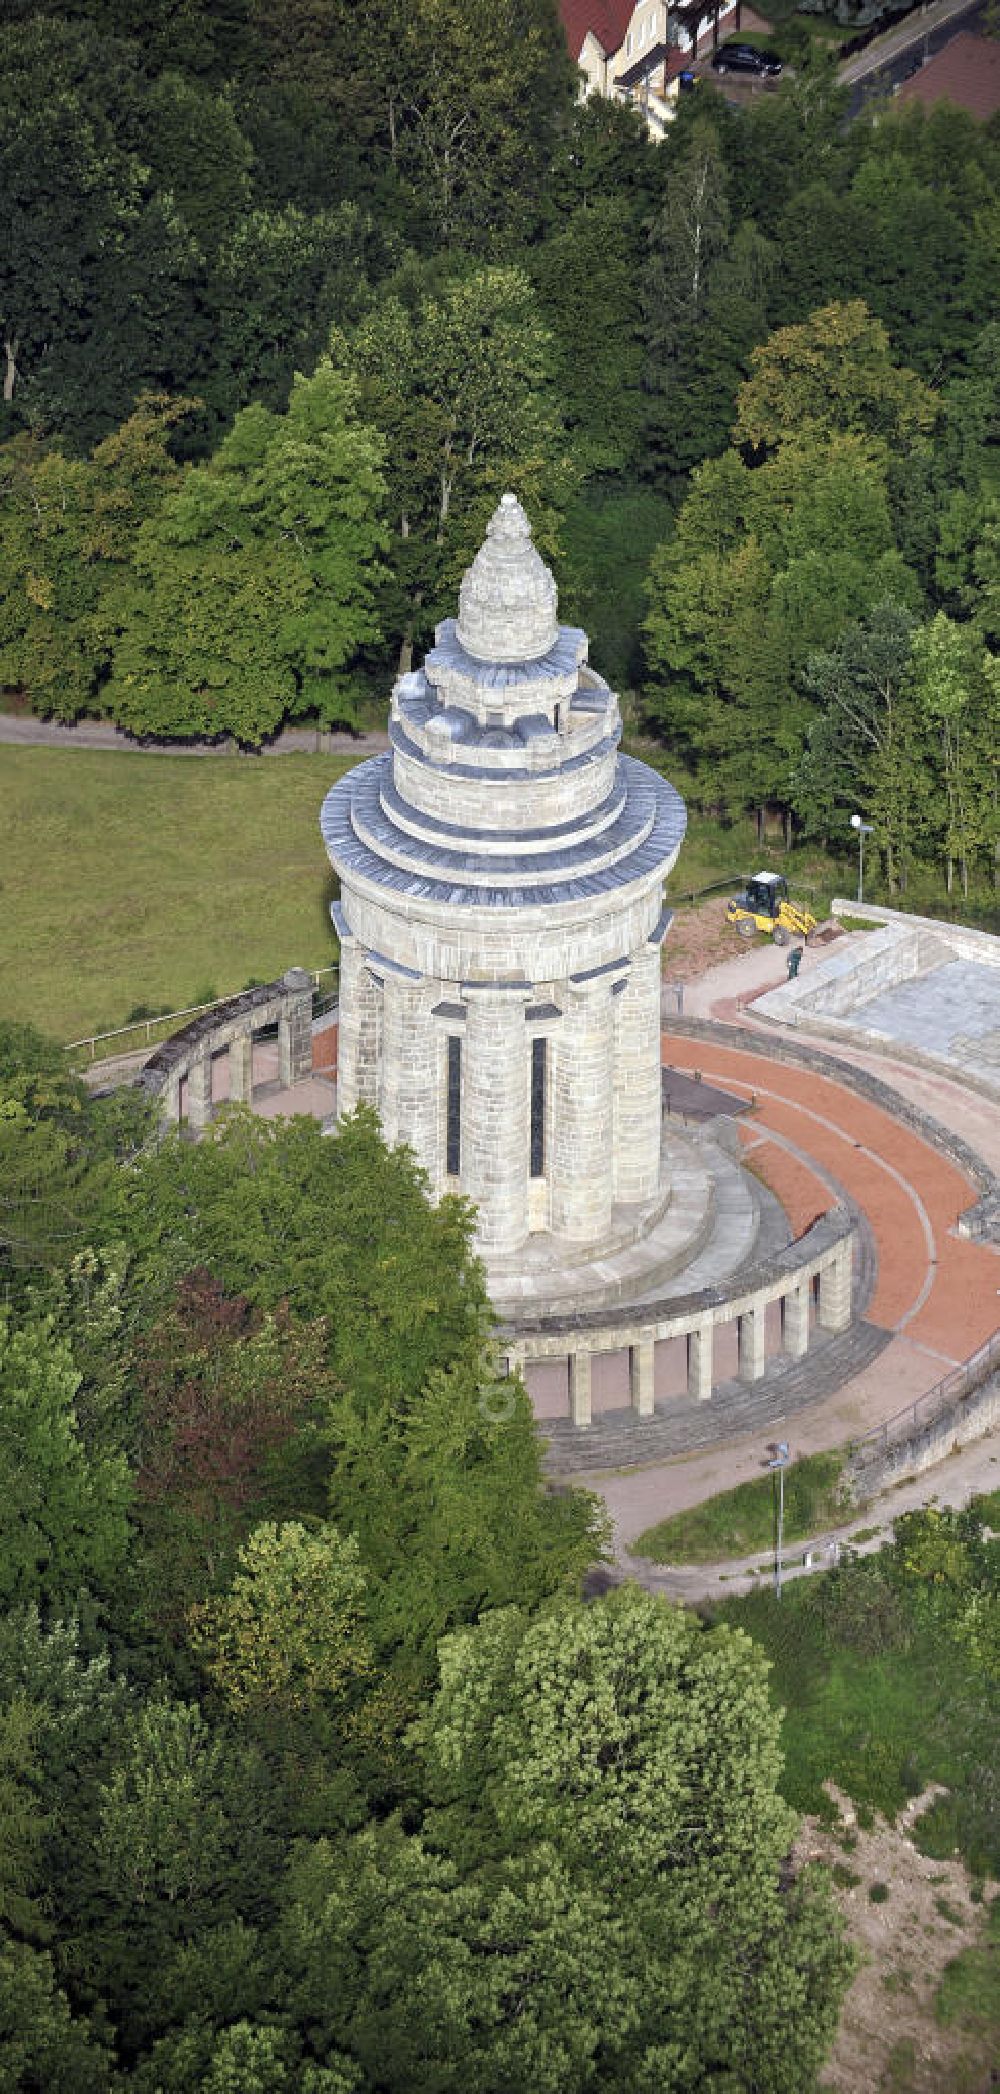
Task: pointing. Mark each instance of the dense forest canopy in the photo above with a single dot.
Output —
(317, 283)
(317, 1770)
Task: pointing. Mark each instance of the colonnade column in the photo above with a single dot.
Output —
(637, 1106)
(641, 1377)
(701, 1350)
(752, 1347)
(582, 1147)
(835, 1289)
(358, 1032)
(241, 1069)
(795, 1320)
(579, 1388)
(199, 1091)
(410, 1044)
(295, 1028)
(494, 1111)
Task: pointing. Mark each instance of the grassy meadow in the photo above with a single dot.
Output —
(131, 880)
(158, 880)
(740, 1521)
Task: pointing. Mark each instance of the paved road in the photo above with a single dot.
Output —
(900, 51)
(21, 730)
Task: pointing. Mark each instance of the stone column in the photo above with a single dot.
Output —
(795, 1320)
(835, 1290)
(700, 1362)
(751, 1344)
(241, 1069)
(637, 1079)
(410, 1076)
(582, 1144)
(641, 1377)
(199, 1097)
(495, 1112)
(358, 1044)
(579, 1388)
(170, 1099)
(295, 1028)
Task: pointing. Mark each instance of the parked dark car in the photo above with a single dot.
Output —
(743, 58)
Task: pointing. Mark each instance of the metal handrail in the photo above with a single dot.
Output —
(170, 1018)
(961, 1381)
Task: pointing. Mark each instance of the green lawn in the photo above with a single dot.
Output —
(158, 880)
(741, 1521)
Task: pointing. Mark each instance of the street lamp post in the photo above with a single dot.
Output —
(780, 1463)
(864, 829)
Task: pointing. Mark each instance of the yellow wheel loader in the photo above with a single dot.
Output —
(764, 906)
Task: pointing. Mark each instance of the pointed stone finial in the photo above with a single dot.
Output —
(507, 601)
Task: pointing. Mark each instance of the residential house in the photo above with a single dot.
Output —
(637, 49)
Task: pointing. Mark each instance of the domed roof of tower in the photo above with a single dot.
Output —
(507, 601)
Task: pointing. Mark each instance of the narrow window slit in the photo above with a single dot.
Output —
(539, 1054)
(454, 1143)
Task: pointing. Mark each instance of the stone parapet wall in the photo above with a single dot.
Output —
(965, 942)
(957, 1426)
(230, 1027)
(834, 998)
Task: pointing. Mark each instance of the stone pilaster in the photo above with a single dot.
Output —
(637, 1079)
(410, 1075)
(359, 1031)
(495, 1082)
(582, 1145)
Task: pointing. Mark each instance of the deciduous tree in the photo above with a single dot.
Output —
(256, 579)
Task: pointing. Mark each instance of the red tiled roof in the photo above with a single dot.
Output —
(966, 72)
(609, 20)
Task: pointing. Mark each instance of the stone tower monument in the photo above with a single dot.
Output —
(501, 874)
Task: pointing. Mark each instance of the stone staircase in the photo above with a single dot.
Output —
(620, 1440)
(718, 1218)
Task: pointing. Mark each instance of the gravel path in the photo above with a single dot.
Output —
(23, 731)
(970, 1472)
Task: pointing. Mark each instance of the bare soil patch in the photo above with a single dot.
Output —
(700, 938)
(921, 1916)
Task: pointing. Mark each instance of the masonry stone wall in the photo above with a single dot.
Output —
(958, 1426)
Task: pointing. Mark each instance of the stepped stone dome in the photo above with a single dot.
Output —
(507, 601)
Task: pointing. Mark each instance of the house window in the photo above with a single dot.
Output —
(539, 1057)
(454, 1137)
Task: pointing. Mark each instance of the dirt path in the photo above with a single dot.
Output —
(970, 1472)
(909, 1916)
